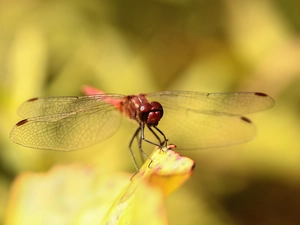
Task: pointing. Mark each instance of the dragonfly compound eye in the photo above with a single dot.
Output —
(156, 106)
(155, 114)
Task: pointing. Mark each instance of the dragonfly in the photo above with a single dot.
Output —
(194, 120)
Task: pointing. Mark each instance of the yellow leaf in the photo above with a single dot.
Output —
(78, 194)
(168, 169)
(141, 202)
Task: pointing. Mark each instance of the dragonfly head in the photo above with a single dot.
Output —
(151, 113)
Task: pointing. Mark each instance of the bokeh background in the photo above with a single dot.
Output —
(52, 48)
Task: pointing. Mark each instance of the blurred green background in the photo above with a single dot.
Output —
(52, 48)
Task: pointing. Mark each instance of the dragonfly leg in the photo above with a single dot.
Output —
(156, 136)
(165, 142)
(135, 135)
(141, 130)
(141, 139)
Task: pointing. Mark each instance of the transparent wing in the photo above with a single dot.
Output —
(66, 123)
(193, 130)
(59, 105)
(195, 120)
(237, 103)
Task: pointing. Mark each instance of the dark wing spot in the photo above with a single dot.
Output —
(32, 99)
(246, 119)
(260, 94)
(22, 122)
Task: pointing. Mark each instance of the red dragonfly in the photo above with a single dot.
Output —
(193, 120)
